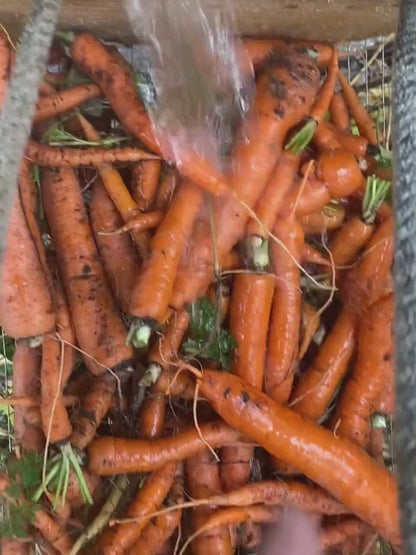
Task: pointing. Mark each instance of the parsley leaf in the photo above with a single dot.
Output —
(206, 340)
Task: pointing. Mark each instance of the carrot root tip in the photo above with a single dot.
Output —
(139, 335)
(302, 138)
(258, 252)
(151, 375)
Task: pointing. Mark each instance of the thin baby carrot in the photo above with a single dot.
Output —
(63, 101)
(340, 116)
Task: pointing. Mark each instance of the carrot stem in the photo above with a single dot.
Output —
(258, 252)
(375, 194)
(139, 334)
(302, 138)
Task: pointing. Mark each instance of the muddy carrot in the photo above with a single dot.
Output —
(282, 345)
(140, 222)
(153, 290)
(152, 416)
(118, 539)
(327, 219)
(368, 378)
(94, 406)
(118, 256)
(310, 325)
(283, 97)
(340, 116)
(144, 183)
(63, 101)
(118, 86)
(339, 532)
(26, 303)
(99, 330)
(337, 465)
(5, 57)
(317, 385)
(361, 117)
(109, 455)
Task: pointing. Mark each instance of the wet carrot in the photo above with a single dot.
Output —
(26, 303)
(361, 117)
(203, 481)
(354, 143)
(118, 256)
(307, 199)
(311, 255)
(283, 97)
(144, 183)
(310, 325)
(109, 455)
(317, 385)
(368, 378)
(166, 189)
(319, 222)
(348, 240)
(156, 533)
(340, 116)
(63, 101)
(324, 138)
(118, 86)
(340, 171)
(94, 406)
(100, 333)
(282, 345)
(118, 539)
(44, 155)
(387, 400)
(337, 465)
(152, 416)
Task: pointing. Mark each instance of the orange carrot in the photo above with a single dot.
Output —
(283, 97)
(166, 189)
(152, 293)
(156, 533)
(387, 401)
(15, 546)
(340, 116)
(152, 416)
(99, 330)
(337, 465)
(376, 443)
(119, 259)
(141, 222)
(282, 346)
(317, 385)
(177, 386)
(118, 86)
(368, 378)
(118, 539)
(110, 455)
(44, 155)
(63, 101)
(94, 406)
(26, 303)
(311, 255)
(308, 198)
(144, 183)
(339, 532)
(310, 325)
(340, 171)
(327, 219)
(361, 117)
(348, 240)
(5, 58)
(204, 481)
(354, 143)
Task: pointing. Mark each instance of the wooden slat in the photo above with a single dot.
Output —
(331, 20)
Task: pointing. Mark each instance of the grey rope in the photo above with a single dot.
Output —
(19, 104)
(404, 147)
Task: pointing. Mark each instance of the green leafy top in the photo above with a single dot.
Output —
(206, 339)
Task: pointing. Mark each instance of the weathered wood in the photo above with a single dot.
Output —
(331, 20)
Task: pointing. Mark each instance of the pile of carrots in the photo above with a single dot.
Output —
(195, 352)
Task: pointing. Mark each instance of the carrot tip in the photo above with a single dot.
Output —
(302, 138)
(139, 335)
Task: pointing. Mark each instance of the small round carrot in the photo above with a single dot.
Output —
(361, 117)
(368, 378)
(110, 455)
(118, 256)
(316, 386)
(327, 219)
(118, 539)
(340, 171)
(99, 330)
(348, 240)
(144, 183)
(282, 345)
(63, 101)
(203, 481)
(94, 406)
(340, 116)
(166, 190)
(310, 325)
(26, 303)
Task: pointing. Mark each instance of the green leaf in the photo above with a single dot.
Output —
(17, 520)
(206, 339)
(13, 491)
(384, 157)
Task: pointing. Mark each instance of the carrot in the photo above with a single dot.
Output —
(203, 481)
(387, 401)
(310, 325)
(311, 255)
(354, 143)
(118, 86)
(153, 290)
(144, 183)
(317, 385)
(308, 198)
(177, 386)
(109, 455)
(118, 256)
(156, 534)
(365, 385)
(44, 155)
(376, 444)
(26, 303)
(340, 171)
(324, 138)
(141, 222)
(348, 240)
(282, 345)
(15, 546)
(166, 189)
(63, 101)
(100, 332)
(94, 406)
(335, 464)
(118, 539)
(283, 97)
(251, 301)
(5, 58)
(271, 201)
(363, 120)
(319, 222)
(152, 416)
(340, 116)
(26, 375)
(339, 532)
(364, 284)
